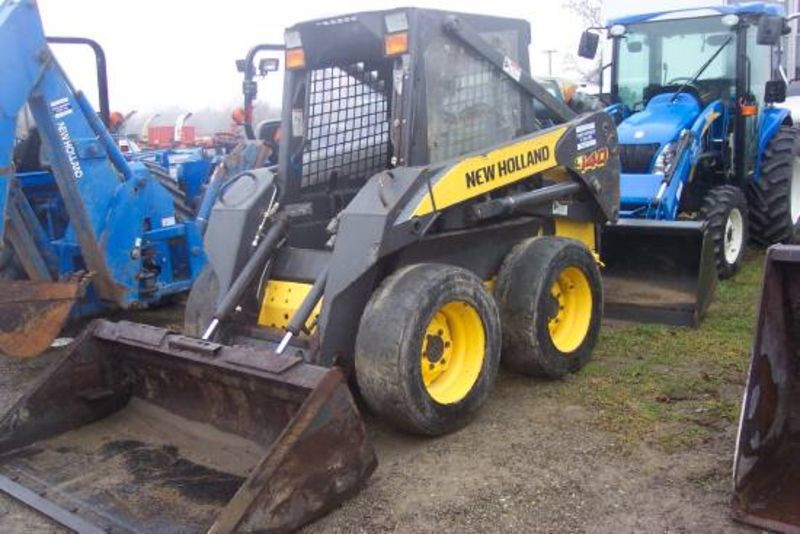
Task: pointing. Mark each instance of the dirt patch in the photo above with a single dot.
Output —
(641, 440)
(529, 463)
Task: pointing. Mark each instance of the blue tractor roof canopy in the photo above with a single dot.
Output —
(750, 8)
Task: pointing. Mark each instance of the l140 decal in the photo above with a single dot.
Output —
(596, 159)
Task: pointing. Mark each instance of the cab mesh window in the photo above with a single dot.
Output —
(347, 127)
(471, 104)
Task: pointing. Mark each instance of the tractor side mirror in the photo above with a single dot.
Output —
(775, 92)
(587, 48)
(770, 29)
(267, 65)
(240, 65)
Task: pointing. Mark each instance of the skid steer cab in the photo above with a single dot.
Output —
(709, 158)
(421, 227)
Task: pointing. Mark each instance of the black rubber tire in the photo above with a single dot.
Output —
(201, 303)
(716, 209)
(770, 198)
(389, 341)
(523, 296)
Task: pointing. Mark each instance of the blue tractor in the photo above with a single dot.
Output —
(709, 161)
(84, 225)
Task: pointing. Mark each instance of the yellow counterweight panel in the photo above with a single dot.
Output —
(280, 301)
(477, 175)
(581, 231)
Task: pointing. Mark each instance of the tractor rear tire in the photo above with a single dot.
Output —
(550, 296)
(201, 303)
(725, 209)
(775, 198)
(428, 348)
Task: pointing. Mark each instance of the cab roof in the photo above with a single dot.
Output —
(749, 8)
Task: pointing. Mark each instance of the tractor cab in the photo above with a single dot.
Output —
(702, 70)
(693, 93)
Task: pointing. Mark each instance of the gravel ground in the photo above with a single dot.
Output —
(530, 462)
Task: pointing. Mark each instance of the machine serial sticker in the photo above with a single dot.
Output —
(595, 159)
(60, 108)
(587, 135)
(298, 122)
(560, 209)
(511, 68)
(167, 221)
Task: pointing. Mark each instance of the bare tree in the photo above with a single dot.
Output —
(590, 13)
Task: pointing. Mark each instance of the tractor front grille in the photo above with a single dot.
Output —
(347, 125)
(636, 159)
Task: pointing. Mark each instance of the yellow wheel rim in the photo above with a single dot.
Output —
(571, 315)
(452, 352)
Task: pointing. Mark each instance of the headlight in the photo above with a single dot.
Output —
(665, 159)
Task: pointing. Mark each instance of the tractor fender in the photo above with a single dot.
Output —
(771, 120)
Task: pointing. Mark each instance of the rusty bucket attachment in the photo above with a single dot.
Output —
(33, 313)
(767, 460)
(137, 429)
(657, 271)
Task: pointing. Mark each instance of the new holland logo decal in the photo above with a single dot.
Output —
(480, 174)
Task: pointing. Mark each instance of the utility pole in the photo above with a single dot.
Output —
(550, 61)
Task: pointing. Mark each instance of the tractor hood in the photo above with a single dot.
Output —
(661, 121)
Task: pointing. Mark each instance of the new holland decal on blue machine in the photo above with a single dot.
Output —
(61, 108)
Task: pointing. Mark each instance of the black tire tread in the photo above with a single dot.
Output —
(770, 218)
(201, 302)
(385, 377)
(716, 206)
(521, 279)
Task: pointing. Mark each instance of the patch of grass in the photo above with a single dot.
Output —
(647, 378)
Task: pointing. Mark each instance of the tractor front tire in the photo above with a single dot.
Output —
(550, 297)
(725, 209)
(775, 198)
(428, 348)
(201, 303)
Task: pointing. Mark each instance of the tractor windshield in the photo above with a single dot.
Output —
(656, 57)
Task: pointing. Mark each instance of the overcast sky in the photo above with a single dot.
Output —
(182, 52)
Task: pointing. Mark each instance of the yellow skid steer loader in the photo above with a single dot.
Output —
(422, 219)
